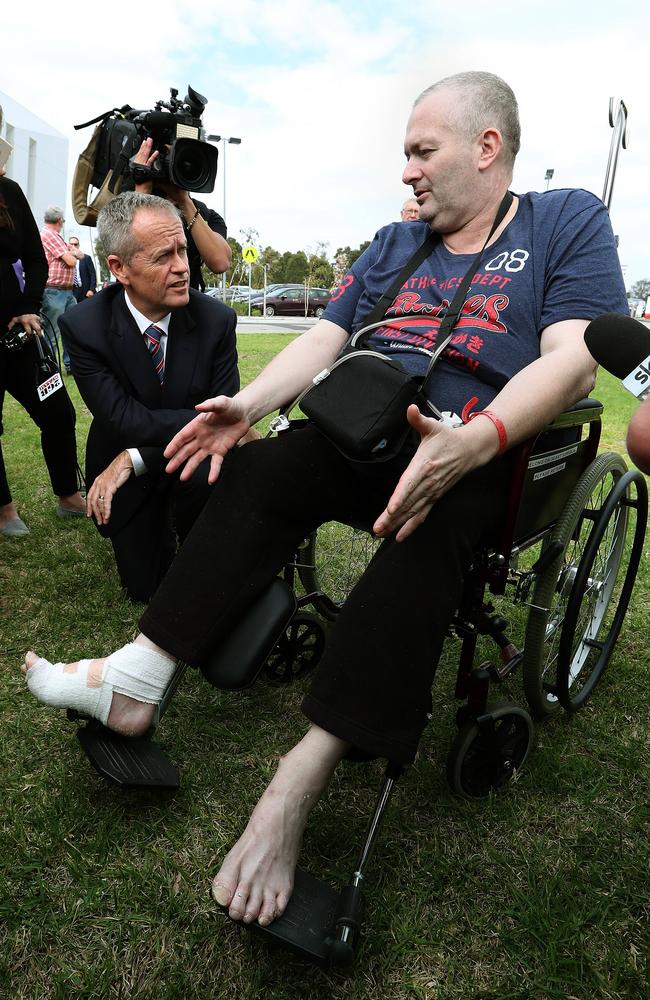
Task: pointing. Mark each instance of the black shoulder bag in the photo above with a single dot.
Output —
(359, 403)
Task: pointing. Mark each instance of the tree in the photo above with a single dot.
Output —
(344, 258)
(320, 272)
(292, 268)
(641, 289)
(100, 254)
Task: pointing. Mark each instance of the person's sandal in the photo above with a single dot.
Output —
(15, 528)
(66, 512)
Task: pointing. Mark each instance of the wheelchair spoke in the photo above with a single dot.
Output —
(332, 561)
(575, 609)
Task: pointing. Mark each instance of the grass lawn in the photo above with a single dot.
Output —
(539, 893)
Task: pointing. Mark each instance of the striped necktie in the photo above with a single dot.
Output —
(152, 337)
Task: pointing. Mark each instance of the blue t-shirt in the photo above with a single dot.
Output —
(556, 260)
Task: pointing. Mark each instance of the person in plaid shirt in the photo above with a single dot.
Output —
(61, 262)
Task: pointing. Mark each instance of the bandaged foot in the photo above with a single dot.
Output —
(88, 686)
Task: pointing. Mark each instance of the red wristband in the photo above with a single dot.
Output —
(498, 423)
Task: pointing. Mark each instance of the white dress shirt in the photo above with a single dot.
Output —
(139, 468)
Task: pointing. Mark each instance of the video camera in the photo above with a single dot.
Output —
(184, 160)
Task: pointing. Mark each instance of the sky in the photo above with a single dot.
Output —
(319, 92)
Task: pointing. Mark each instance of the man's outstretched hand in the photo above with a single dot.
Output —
(444, 455)
(219, 426)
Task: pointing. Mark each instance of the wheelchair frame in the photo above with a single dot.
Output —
(593, 537)
(579, 508)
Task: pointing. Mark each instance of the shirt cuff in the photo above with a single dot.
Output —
(139, 468)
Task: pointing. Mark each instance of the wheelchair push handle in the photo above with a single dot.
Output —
(617, 121)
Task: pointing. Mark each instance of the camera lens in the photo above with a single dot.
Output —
(193, 165)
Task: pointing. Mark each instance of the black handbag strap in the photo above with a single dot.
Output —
(425, 250)
(377, 313)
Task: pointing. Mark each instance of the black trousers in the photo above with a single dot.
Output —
(145, 545)
(372, 687)
(55, 418)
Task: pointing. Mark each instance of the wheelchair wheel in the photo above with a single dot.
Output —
(580, 599)
(331, 561)
(298, 651)
(485, 755)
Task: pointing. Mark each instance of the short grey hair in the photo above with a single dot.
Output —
(487, 100)
(115, 221)
(54, 214)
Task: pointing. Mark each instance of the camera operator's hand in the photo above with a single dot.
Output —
(30, 323)
(179, 197)
(146, 157)
(101, 493)
(212, 247)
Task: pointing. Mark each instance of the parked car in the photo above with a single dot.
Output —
(234, 293)
(276, 289)
(290, 301)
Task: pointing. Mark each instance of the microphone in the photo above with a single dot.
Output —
(622, 346)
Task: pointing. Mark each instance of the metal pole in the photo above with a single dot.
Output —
(237, 141)
(617, 121)
(223, 276)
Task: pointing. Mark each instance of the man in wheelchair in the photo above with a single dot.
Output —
(516, 359)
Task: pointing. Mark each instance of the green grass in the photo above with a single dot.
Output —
(540, 893)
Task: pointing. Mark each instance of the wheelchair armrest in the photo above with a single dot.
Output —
(528, 509)
(582, 412)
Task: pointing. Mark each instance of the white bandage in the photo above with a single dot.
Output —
(133, 670)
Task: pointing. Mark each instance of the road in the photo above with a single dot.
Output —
(273, 324)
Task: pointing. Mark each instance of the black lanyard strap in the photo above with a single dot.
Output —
(377, 313)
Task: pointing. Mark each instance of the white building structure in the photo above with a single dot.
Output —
(39, 162)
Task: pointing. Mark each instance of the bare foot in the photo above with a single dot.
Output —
(256, 879)
(82, 685)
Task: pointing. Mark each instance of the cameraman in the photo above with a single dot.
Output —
(23, 273)
(205, 230)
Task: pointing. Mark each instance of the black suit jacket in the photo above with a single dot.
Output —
(88, 278)
(116, 378)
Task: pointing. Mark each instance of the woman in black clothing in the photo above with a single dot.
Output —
(20, 300)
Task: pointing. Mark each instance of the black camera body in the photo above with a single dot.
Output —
(14, 339)
(185, 159)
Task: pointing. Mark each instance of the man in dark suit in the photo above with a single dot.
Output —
(85, 279)
(144, 351)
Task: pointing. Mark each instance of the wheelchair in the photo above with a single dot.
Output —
(566, 556)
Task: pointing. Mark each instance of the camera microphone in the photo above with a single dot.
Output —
(158, 121)
(622, 346)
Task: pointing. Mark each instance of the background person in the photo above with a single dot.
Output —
(638, 436)
(21, 288)
(85, 277)
(135, 409)
(517, 359)
(61, 263)
(410, 210)
(205, 230)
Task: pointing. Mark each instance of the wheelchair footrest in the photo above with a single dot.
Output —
(308, 925)
(131, 762)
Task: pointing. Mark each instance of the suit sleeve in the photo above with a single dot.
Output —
(32, 256)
